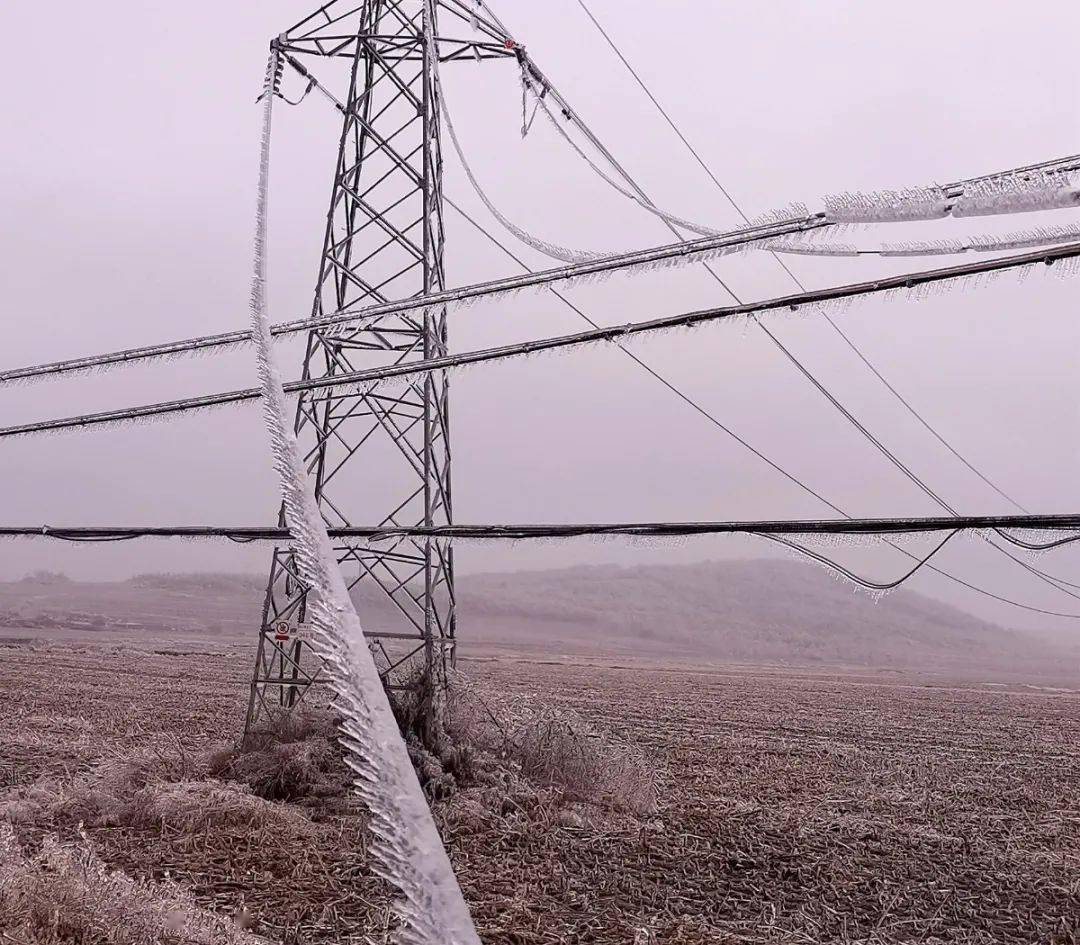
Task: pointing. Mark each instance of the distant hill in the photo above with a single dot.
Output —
(214, 582)
(161, 605)
(762, 611)
(777, 612)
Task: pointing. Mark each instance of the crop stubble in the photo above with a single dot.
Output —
(793, 808)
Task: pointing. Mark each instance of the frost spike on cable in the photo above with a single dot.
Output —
(1016, 194)
(1064, 260)
(888, 206)
(990, 196)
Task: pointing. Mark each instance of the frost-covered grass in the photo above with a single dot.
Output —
(63, 894)
(792, 806)
(552, 748)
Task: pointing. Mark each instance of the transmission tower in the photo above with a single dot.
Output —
(384, 241)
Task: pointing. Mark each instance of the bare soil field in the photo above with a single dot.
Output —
(789, 807)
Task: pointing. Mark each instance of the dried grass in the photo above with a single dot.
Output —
(553, 748)
(295, 758)
(303, 723)
(796, 808)
(556, 748)
(162, 789)
(64, 894)
(203, 806)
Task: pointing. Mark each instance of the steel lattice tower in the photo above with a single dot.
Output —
(384, 241)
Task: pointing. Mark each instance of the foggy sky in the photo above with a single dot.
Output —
(129, 151)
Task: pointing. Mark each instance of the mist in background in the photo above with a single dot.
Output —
(129, 148)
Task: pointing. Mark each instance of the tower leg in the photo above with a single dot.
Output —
(379, 454)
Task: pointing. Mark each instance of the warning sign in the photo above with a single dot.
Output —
(285, 630)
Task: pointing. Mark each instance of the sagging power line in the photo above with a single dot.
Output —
(1013, 192)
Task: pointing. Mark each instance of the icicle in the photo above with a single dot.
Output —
(405, 848)
(793, 211)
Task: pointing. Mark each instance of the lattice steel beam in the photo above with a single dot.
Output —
(384, 241)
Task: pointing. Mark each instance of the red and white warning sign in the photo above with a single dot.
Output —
(285, 630)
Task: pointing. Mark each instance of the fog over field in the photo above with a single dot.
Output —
(774, 612)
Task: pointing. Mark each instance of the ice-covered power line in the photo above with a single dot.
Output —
(781, 532)
(1024, 239)
(708, 415)
(543, 246)
(684, 252)
(1048, 186)
(1053, 170)
(1026, 189)
(405, 845)
(909, 282)
(879, 526)
(1021, 193)
(674, 254)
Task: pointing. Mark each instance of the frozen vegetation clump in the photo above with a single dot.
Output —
(64, 894)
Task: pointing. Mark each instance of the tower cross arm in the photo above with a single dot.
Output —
(336, 29)
(396, 47)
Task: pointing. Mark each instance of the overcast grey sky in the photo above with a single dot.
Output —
(129, 149)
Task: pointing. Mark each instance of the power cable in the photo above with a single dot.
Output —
(770, 530)
(848, 526)
(658, 256)
(1052, 580)
(695, 405)
(851, 576)
(527, 348)
(780, 262)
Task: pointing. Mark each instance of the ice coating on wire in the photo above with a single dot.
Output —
(1065, 262)
(698, 228)
(406, 848)
(1022, 239)
(888, 206)
(1016, 193)
(790, 219)
(548, 249)
(806, 248)
(990, 196)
